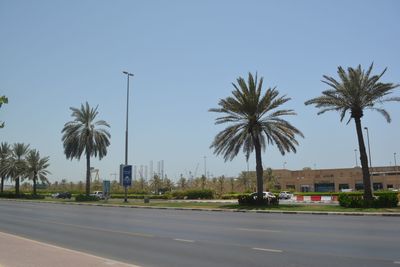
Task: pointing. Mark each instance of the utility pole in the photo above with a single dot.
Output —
(355, 154)
(127, 114)
(126, 131)
(205, 167)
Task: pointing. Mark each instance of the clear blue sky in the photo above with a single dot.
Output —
(185, 54)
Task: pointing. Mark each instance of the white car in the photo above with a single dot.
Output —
(98, 194)
(285, 195)
(266, 195)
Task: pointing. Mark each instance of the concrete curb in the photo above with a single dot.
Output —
(388, 214)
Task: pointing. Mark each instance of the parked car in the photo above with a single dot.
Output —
(285, 195)
(98, 194)
(266, 195)
(63, 195)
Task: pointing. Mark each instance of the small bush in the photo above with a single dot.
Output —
(249, 200)
(34, 196)
(83, 198)
(193, 194)
(178, 194)
(20, 196)
(381, 200)
(230, 196)
(200, 194)
(387, 200)
(140, 196)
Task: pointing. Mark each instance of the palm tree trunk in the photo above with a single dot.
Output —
(2, 184)
(87, 173)
(364, 161)
(34, 184)
(259, 169)
(17, 186)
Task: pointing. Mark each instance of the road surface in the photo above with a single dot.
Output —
(156, 237)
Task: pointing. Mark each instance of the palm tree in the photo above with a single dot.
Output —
(3, 100)
(36, 168)
(5, 153)
(354, 92)
(17, 163)
(255, 122)
(83, 135)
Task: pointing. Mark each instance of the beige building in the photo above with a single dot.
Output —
(334, 180)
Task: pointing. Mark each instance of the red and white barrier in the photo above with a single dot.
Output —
(323, 199)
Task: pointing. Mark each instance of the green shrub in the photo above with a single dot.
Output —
(193, 194)
(21, 196)
(381, 200)
(178, 194)
(140, 196)
(34, 196)
(200, 194)
(387, 200)
(249, 200)
(83, 198)
(230, 196)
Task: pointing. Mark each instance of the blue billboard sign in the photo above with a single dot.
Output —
(127, 175)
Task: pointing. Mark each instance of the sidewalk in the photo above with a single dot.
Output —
(17, 251)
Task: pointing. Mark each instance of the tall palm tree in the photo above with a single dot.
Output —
(36, 168)
(255, 121)
(5, 153)
(3, 100)
(17, 163)
(356, 91)
(83, 135)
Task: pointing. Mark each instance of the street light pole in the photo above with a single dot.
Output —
(395, 163)
(369, 148)
(126, 131)
(355, 155)
(205, 166)
(127, 112)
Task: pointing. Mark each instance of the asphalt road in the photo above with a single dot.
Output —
(152, 237)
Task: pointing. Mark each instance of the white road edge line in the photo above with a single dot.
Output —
(258, 230)
(184, 240)
(106, 260)
(269, 250)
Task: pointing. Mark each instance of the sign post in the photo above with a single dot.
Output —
(126, 179)
(106, 189)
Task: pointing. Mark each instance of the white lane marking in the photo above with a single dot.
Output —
(184, 240)
(91, 228)
(269, 250)
(396, 262)
(258, 230)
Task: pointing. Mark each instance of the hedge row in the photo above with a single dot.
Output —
(188, 194)
(381, 200)
(83, 198)
(22, 195)
(139, 196)
(249, 200)
(231, 196)
(193, 194)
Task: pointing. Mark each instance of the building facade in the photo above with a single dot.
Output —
(334, 180)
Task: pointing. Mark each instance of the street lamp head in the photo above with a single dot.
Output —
(127, 73)
(366, 128)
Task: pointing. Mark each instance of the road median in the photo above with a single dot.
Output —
(223, 206)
